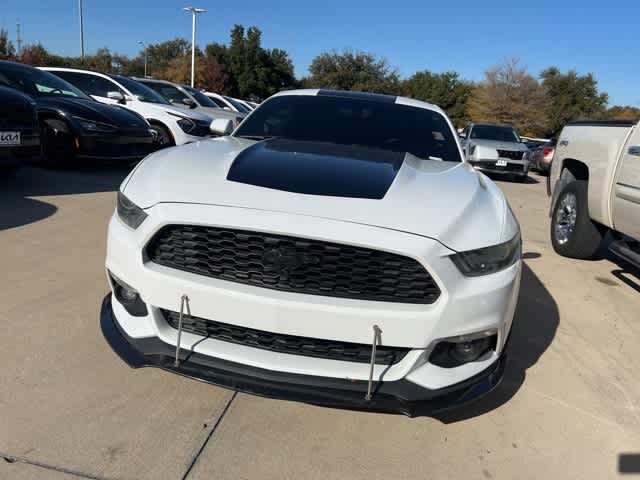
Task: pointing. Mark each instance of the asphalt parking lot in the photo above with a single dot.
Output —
(70, 408)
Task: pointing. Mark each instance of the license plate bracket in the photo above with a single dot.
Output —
(10, 138)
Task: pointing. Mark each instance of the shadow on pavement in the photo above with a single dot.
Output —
(496, 177)
(534, 327)
(17, 208)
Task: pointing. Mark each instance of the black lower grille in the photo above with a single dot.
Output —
(510, 154)
(293, 264)
(509, 167)
(277, 342)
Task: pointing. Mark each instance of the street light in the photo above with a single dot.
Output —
(81, 29)
(144, 45)
(193, 11)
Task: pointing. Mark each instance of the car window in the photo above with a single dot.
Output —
(201, 98)
(38, 83)
(142, 92)
(219, 103)
(90, 84)
(169, 92)
(494, 132)
(238, 105)
(346, 121)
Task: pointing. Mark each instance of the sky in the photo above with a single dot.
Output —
(413, 35)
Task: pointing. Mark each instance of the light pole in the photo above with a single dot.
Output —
(144, 45)
(81, 30)
(193, 11)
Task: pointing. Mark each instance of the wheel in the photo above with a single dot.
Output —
(573, 233)
(165, 139)
(57, 144)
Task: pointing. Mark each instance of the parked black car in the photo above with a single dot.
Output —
(73, 125)
(19, 130)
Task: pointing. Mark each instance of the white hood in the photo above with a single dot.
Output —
(446, 201)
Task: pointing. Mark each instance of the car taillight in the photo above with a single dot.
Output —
(548, 152)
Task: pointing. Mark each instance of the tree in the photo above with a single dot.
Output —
(509, 95)
(7, 51)
(159, 55)
(446, 90)
(626, 112)
(34, 54)
(571, 97)
(353, 71)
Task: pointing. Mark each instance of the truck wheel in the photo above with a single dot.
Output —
(573, 234)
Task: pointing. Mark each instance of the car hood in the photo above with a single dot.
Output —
(92, 110)
(514, 146)
(446, 201)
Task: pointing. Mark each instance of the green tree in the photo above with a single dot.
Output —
(626, 112)
(446, 90)
(7, 51)
(509, 95)
(353, 71)
(571, 97)
(159, 55)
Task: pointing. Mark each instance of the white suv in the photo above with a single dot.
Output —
(174, 126)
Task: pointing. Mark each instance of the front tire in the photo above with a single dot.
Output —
(165, 139)
(573, 233)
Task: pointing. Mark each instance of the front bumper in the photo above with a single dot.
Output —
(119, 147)
(398, 396)
(514, 167)
(29, 148)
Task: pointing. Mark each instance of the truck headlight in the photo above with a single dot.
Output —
(484, 261)
(131, 214)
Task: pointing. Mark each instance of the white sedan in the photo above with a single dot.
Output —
(335, 249)
(173, 125)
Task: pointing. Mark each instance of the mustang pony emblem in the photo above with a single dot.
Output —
(285, 260)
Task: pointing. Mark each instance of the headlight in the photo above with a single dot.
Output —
(484, 261)
(131, 214)
(91, 126)
(185, 124)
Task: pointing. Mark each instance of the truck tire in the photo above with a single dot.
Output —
(573, 233)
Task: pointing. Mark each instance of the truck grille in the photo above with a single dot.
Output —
(510, 154)
(293, 264)
(277, 342)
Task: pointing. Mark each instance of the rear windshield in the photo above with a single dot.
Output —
(347, 121)
(494, 132)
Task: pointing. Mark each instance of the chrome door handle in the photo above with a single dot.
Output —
(635, 150)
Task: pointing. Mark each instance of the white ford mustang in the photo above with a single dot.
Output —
(335, 249)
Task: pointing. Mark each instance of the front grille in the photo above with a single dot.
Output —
(277, 342)
(293, 264)
(510, 154)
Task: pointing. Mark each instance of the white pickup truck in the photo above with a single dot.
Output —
(595, 180)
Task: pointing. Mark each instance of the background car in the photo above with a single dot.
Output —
(187, 98)
(496, 149)
(73, 125)
(174, 126)
(19, 131)
(542, 156)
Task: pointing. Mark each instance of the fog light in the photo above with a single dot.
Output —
(454, 352)
(128, 297)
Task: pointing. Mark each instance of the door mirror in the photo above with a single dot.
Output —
(116, 96)
(189, 103)
(222, 126)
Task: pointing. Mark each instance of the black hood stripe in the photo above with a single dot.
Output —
(317, 168)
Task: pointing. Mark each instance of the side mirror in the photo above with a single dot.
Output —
(189, 103)
(221, 126)
(116, 96)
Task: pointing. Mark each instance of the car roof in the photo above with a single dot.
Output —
(373, 97)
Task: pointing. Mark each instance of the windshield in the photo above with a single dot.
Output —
(348, 121)
(200, 97)
(494, 132)
(239, 106)
(38, 83)
(142, 92)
